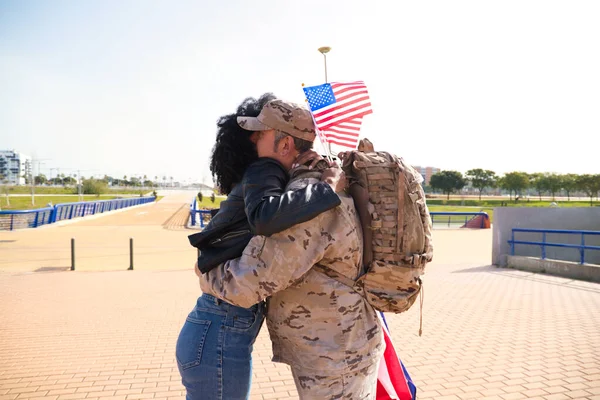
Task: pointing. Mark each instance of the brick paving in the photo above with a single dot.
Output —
(95, 333)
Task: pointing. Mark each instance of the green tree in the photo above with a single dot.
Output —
(448, 182)
(94, 186)
(515, 181)
(569, 184)
(554, 183)
(480, 179)
(213, 198)
(590, 184)
(539, 182)
(69, 180)
(40, 179)
(135, 181)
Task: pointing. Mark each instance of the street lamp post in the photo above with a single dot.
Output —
(324, 50)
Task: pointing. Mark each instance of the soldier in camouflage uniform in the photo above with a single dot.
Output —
(326, 332)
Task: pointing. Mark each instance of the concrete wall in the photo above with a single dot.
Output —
(506, 218)
(566, 269)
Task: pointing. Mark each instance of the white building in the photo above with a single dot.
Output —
(14, 166)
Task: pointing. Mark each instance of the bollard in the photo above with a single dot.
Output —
(72, 254)
(130, 254)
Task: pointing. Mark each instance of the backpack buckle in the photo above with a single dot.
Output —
(417, 259)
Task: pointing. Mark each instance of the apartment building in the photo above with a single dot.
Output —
(426, 172)
(14, 167)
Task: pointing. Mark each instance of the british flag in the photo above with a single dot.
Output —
(393, 380)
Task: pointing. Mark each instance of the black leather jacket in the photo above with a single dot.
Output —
(258, 206)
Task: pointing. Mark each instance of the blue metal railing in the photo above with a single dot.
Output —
(543, 244)
(19, 219)
(461, 218)
(201, 214)
(81, 209)
(455, 218)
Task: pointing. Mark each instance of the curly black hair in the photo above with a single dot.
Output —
(234, 152)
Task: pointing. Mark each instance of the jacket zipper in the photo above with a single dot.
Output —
(230, 235)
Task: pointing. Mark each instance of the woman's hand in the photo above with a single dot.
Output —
(307, 156)
(335, 177)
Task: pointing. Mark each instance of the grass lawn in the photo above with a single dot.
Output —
(206, 203)
(498, 203)
(488, 206)
(24, 203)
(66, 190)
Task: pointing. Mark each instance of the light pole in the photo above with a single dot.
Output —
(324, 50)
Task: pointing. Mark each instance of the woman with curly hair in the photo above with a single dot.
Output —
(235, 148)
(214, 348)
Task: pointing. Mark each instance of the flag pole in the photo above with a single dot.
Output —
(324, 50)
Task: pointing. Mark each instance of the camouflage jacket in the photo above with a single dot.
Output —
(315, 322)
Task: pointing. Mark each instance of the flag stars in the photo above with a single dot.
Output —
(320, 96)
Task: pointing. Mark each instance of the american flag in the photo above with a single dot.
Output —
(338, 108)
(345, 133)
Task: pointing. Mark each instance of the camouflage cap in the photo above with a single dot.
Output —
(284, 116)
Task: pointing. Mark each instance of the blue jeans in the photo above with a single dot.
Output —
(214, 349)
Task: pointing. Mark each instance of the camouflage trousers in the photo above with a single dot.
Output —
(357, 385)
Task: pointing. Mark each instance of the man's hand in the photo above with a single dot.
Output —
(335, 177)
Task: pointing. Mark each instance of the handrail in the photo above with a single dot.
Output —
(5, 212)
(566, 231)
(543, 244)
(16, 219)
(194, 211)
(451, 214)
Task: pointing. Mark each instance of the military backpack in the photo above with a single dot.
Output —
(396, 225)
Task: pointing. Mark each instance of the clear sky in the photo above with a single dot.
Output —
(135, 87)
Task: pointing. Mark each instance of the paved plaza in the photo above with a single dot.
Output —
(104, 332)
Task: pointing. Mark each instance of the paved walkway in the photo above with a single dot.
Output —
(102, 241)
(488, 333)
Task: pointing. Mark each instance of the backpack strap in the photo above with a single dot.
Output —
(401, 184)
(335, 275)
(361, 199)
